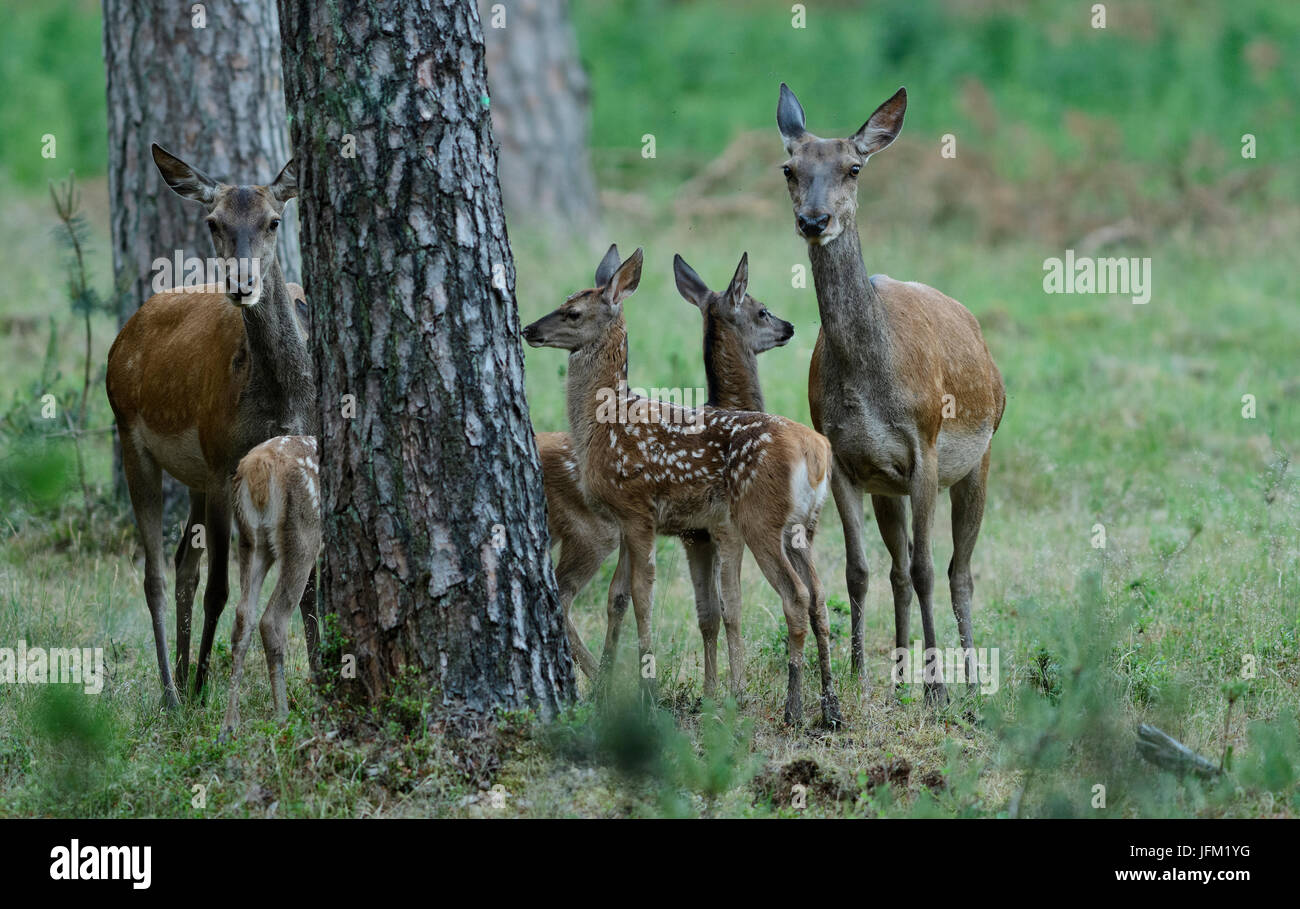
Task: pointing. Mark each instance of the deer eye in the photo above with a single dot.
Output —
(275, 222)
(573, 315)
(764, 314)
(855, 169)
(788, 171)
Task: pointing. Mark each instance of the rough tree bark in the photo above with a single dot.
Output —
(539, 110)
(435, 543)
(211, 94)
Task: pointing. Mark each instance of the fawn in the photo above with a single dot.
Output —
(276, 495)
(737, 328)
(659, 468)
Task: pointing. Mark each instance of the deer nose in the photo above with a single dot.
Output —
(812, 227)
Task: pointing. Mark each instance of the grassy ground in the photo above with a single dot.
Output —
(1126, 416)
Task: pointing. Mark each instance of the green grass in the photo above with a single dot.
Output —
(1121, 415)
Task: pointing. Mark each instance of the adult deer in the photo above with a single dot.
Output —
(196, 379)
(737, 328)
(659, 468)
(901, 382)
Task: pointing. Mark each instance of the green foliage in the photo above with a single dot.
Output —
(75, 740)
(52, 68)
(44, 425)
(1232, 65)
(1273, 762)
(1072, 721)
(644, 745)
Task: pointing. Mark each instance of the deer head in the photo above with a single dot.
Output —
(749, 320)
(585, 317)
(243, 220)
(822, 174)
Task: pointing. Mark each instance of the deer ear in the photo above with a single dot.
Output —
(739, 282)
(605, 270)
(689, 284)
(285, 186)
(187, 182)
(789, 117)
(883, 127)
(625, 280)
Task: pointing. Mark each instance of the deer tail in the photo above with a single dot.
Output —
(253, 488)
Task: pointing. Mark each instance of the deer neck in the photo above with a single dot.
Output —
(597, 375)
(730, 368)
(281, 383)
(852, 313)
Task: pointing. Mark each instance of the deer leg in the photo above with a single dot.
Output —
(640, 543)
(144, 484)
(924, 490)
(253, 565)
(801, 558)
(967, 496)
(770, 554)
(702, 556)
(731, 552)
(579, 561)
(218, 587)
(187, 582)
(311, 627)
(848, 501)
(620, 594)
(274, 627)
(891, 520)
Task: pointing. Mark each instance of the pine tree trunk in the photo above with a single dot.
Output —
(435, 543)
(539, 110)
(212, 95)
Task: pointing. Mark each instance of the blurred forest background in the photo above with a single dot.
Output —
(1124, 140)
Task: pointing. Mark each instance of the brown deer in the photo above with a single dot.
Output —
(276, 496)
(195, 380)
(737, 328)
(901, 382)
(660, 468)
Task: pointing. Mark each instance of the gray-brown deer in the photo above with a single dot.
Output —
(660, 468)
(195, 380)
(901, 382)
(737, 328)
(276, 496)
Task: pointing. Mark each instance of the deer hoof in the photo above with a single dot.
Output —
(936, 694)
(831, 711)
